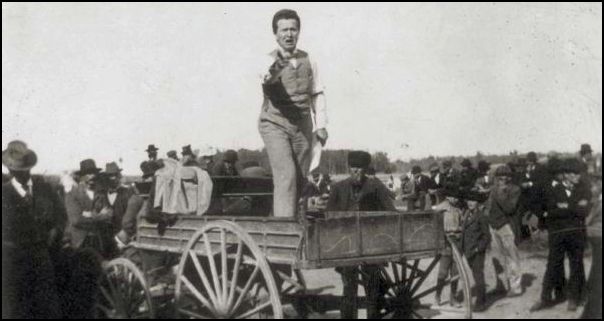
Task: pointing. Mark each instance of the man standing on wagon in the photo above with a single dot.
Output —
(293, 111)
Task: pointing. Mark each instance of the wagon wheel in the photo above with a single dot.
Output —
(124, 293)
(292, 290)
(224, 274)
(405, 291)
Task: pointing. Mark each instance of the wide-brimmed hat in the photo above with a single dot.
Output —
(88, 166)
(359, 159)
(17, 157)
(151, 148)
(416, 169)
(531, 157)
(112, 169)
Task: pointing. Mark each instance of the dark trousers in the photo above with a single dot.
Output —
(572, 244)
(593, 308)
(476, 263)
(370, 275)
(28, 284)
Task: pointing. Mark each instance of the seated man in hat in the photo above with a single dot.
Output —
(227, 166)
(359, 193)
(475, 240)
(188, 157)
(138, 204)
(40, 277)
(452, 212)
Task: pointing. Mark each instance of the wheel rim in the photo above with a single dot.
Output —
(223, 274)
(405, 291)
(123, 292)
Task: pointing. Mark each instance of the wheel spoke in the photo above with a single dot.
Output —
(432, 289)
(212, 263)
(224, 265)
(394, 267)
(197, 294)
(108, 312)
(246, 288)
(254, 310)
(203, 277)
(107, 296)
(194, 314)
(235, 274)
(426, 273)
(417, 315)
(409, 284)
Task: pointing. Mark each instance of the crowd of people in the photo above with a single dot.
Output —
(500, 208)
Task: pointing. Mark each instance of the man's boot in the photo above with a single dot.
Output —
(440, 283)
(453, 296)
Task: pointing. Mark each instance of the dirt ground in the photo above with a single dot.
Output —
(533, 254)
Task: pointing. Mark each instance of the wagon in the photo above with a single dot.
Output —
(233, 266)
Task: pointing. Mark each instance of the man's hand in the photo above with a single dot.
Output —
(322, 135)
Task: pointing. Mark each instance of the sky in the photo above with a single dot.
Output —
(105, 80)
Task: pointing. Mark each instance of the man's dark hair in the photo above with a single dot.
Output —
(285, 14)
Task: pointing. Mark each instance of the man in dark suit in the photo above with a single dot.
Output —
(40, 279)
(152, 152)
(85, 223)
(567, 206)
(359, 193)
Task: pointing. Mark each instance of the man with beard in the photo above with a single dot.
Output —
(359, 193)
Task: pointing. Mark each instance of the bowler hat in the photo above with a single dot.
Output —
(359, 159)
(585, 149)
(531, 157)
(230, 156)
(17, 157)
(88, 166)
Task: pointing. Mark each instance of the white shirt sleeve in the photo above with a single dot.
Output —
(318, 98)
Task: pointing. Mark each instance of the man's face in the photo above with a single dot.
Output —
(152, 154)
(287, 34)
(88, 179)
(357, 174)
(114, 181)
(588, 156)
(472, 205)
